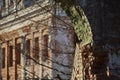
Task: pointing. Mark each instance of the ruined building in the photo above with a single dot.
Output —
(35, 41)
(98, 60)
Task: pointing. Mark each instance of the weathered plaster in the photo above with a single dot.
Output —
(62, 48)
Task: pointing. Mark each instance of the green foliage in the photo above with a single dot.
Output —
(78, 18)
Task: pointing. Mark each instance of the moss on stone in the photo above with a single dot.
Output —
(78, 18)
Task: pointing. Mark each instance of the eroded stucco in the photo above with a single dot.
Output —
(62, 46)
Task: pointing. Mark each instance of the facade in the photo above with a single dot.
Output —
(35, 41)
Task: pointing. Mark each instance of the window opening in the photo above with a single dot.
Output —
(36, 49)
(18, 53)
(27, 3)
(10, 56)
(28, 52)
(45, 48)
(3, 58)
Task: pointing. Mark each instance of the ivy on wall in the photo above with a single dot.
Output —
(78, 18)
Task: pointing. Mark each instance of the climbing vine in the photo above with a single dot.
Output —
(78, 18)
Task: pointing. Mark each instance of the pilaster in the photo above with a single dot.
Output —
(23, 58)
(14, 59)
(1, 62)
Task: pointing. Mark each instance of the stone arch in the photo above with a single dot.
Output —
(104, 21)
(95, 56)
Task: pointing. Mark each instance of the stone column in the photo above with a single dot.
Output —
(7, 60)
(21, 4)
(7, 6)
(40, 53)
(15, 4)
(23, 58)
(14, 59)
(1, 62)
(32, 53)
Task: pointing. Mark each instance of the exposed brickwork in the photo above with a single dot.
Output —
(77, 73)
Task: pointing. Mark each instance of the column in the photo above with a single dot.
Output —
(14, 59)
(21, 5)
(40, 53)
(7, 6)
(15, 4)
(7, 60)
(23, 58)
(0, 62)
(32, 42)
